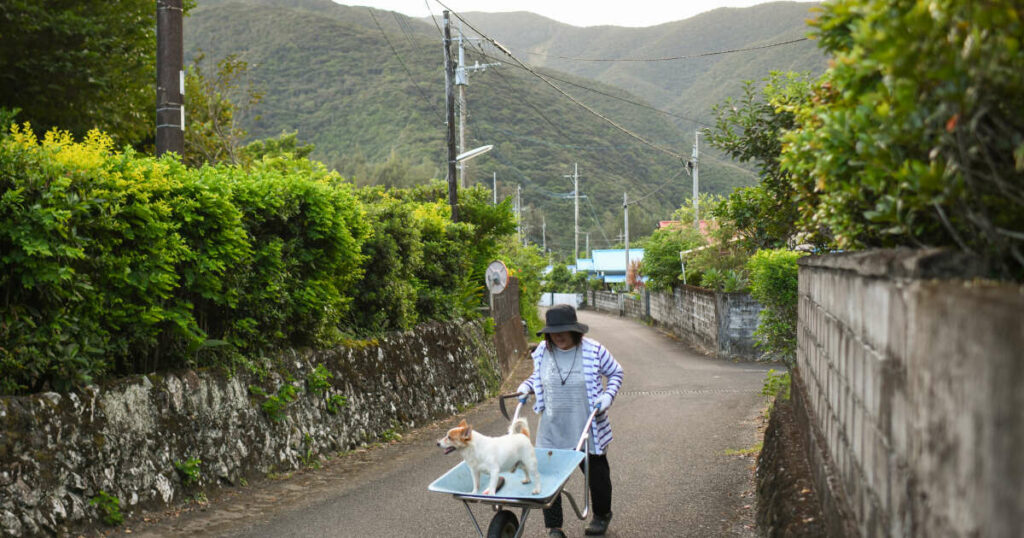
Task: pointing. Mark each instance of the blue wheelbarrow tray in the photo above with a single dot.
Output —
(554, 465)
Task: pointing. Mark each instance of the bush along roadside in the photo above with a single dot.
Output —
(113, 263)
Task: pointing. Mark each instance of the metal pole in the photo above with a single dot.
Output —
(544, 233)
(588, 245)
(696, 182)
(170, 78)
(519, 213)
(449, 101)
(494, 189)
(625, 218)
(576, 195)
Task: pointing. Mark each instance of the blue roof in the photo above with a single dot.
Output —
(612, 279)
(614, 260)
(584, 264)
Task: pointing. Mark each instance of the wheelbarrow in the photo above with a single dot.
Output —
(555, 466)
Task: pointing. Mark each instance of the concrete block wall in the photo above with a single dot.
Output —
(719, 324)
(912, 386)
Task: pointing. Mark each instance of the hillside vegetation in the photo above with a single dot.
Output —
(367, 88)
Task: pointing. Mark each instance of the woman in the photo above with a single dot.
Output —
(567, 372)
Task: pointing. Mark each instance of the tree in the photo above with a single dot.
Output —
(915, 136)
(216, 105)
(749, 130)
(661, 255)
(81, 64)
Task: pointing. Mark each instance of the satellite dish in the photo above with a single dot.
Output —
(496, 277)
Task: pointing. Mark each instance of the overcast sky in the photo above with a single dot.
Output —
(574, 12)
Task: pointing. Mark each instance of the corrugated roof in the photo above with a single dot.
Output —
(614, 260)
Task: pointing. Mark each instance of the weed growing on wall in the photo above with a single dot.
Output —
(189, 470)
(109, 508)
(776, 385)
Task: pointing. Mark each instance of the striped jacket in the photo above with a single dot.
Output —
(597, 362)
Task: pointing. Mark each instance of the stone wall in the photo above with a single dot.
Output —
(911, 385)
(719, 324)
(59, 451)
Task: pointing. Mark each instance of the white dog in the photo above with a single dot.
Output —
(494, 454)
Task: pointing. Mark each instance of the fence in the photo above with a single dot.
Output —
(909, 383)
(719, 324)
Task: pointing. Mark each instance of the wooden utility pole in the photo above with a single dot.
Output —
(449, 103)
(170, 78)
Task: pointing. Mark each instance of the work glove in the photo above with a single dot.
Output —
(604, 401)
(524, 393)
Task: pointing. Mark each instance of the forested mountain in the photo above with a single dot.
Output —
(689, 85)
(367, 88)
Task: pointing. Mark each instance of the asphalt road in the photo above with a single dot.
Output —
(675, 419)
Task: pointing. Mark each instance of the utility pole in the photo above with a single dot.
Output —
(494, 189)
(696, 182)
(544, 233)
(170, 78)
(625, 219)
(519, 215)
(576, 197)
(462, 80)
(449, 104)
(588, 245)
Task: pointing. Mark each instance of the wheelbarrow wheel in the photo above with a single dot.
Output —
(503, 525)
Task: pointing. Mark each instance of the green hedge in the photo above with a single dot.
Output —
(114, 263)
(774, 282)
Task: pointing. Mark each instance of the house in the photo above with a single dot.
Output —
(609, 264)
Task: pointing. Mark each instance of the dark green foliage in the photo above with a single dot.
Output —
(749, 130)
(323, 75)
(109, 508)
(773, 283)
(306, 236)
(915, 135)
(189, 470)
(526, 263)
(319, 380)
(661, 255)
(80, 64)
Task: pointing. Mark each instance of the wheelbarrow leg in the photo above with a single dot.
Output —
(473, 517)
(522, 522)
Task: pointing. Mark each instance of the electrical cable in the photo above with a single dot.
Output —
(563, 92)
(407, 72)
(670, 58)
(606, 94)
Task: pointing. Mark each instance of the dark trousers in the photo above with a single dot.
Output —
(600, 492)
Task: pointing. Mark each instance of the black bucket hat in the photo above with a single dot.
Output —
(562, 318)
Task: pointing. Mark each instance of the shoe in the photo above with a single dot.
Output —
(556, 533)
(599, 525)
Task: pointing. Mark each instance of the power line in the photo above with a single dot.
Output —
(407, 72)
(563, 92)
(670, 58)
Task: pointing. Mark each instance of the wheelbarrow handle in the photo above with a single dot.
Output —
(504, 409)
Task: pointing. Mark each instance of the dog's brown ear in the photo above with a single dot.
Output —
(466, 434)
(463, 424)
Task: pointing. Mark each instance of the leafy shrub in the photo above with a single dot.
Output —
(661, 254)
(773, 283)
(915, 135)
(189, 470)
(319, 380)
(101, 262)
(109, 508)
(335, 402)
(114, 263)
(526, 263)
(776, 385)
